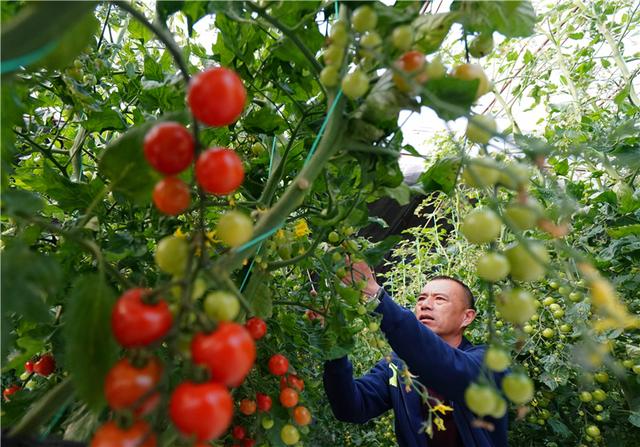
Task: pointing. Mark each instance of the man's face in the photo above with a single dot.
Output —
(442, 307)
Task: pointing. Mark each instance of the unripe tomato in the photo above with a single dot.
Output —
(263, 402)
(267, 422)
(470, 72)
(355, 84)
(514, 175)
(10, 391)
(289, 434)
(288, 397)
(524, 216)
(599, 395)
(110, 435)
(202, 410)
(229, 353)
(221, 306)
(301, 415)
(135, 323)
(412, 61)
(435, 69)
(256, 327)
(333, 56)
(481, 45)
(125, 385)
(370, 40)
(278, 364)
(480, 226)
(364, 18)
(497, 359)
(548, 332)
(480, 172)
(586, 396)
(499, 409)
(45, 365)
(480, 399)
(329, 76)
(518, 388)
(247, 407)
(593, 431)
(402, 37)
(524, 266)
(516, 306)
(216, 96)
(238, 432)
(480, 128)
(492, 267)
(219, 171)
(234, 228)
(172, 254)
(339, 34)
(171, 196)
(169, 147)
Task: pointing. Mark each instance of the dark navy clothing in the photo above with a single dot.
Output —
(444, 369)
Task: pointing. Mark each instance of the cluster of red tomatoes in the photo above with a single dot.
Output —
(216, 97)
(43, 366)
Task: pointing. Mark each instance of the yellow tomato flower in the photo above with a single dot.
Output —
(301, 228)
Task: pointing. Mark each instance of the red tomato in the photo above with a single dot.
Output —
(110, 435)
(28, 366)
(301, 415)
(125, 385)
(288, 397)
(256, 327)
(247, 407)
(45, 365)
(238, 432)
(219, 171)
(203, 410)
(8, 392)
(248, 442)
(171, 196)
(263, 402)
(292, 381)
(168, 147)
(278, 364)
(228, 352)
(135, 323)
(412, 61)
(216, 96)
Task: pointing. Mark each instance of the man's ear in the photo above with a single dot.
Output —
(469, 316)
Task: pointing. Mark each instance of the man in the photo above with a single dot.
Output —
(430, 342)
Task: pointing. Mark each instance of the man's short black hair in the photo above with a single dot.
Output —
(471, 300)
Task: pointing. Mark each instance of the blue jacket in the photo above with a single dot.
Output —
(440, 367)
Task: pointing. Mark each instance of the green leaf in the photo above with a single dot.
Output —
(634, 418)
(562, 167)
(107, 119)
(400, 193)
(375, 254)
(431, 29)
(20, 202)
(509, 18)
(450, 97)
(263, 120)
(559, 427)
(259, 294)
(74, 40)
(626, 230)
(123, 163)
(37, 29)
(441, 176)
(90, 347)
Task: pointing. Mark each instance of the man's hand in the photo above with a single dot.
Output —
(359, 271)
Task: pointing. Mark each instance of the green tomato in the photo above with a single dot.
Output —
(516, 306)
(364, 18)
(599, 395)
(337, 257)
(528, 329)
(234, 228)
(548, 332)
(257, 149)
(480, 226)
(518, 388)
(585, 396)
(492, 267)
(636, 369)
(471, 72)
(563, 290)
(289, 434)
(514, 176)
(355, 84)
(566, 328)
(601, 377)
(480, 128)
(500, 408)
(267, 422)
(527, 266)
(339, 34)
(593, 431)
(172, 254)
(480, 399)
(333, 237)
(558, 313)
(374, 326)
(402, 37)
(481, 46)
(370, 40)
(333, 55)
(221, 306)
(435, 69)
(575, 296)
(480, 172)
(329, 76)
(523, 216)
(549, 301)
(497, 359)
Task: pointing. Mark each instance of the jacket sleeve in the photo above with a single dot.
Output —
(357, 400)
(439, 366)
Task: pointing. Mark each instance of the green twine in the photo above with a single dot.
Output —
(24, 60)
(273, 152)
(55, 420)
